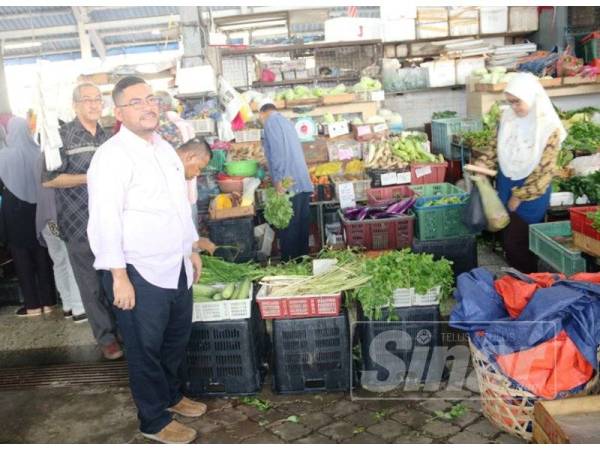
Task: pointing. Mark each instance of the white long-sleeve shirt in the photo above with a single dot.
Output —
(139, 211)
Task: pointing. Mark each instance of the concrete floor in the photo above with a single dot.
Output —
(108, 415)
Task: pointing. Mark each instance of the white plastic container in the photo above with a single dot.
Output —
(523, 18)
(464, 20)
(398, 30)
(441, 72)
(493, 19)
(465, 66)
(352, 29)
(432, 22)
(432, 297)
(222, 309)
(398, 10)
(562, 199)
(194, 80)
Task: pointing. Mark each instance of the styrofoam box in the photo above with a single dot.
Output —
(523, 18)
(441, 72)
(376, 96)
(352, 29)
(432, 22)
(465, 66)
(400, 10)
(493, 19)
(562, 199)
(399, 30)
(464, 20)
(192, 80)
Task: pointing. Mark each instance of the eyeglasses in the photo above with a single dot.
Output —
(514, 102)
(91, 101)
(138, 103)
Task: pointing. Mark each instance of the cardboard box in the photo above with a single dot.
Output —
(229, 213)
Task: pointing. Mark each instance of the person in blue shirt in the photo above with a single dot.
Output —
(286, 160)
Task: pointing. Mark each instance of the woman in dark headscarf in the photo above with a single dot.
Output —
(18, 187)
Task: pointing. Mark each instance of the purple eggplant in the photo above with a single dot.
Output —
(401, 206)
(363, 214)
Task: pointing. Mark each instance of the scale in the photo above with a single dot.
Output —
(306, 128)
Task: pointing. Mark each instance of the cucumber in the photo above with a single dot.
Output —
(217, 297)
(202, 291)
(236, 292)
(245, 289)
(228, 291)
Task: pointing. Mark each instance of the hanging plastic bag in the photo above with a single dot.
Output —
(495, 213)
(473, 215)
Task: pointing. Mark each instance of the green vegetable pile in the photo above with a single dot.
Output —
(443, 115)
(367, 84)
(446, 200)
(478, 139)
(587, 185)
(595, 216)
(402, 269)
(278, 209)
(583, 137)
(303, 92)
(231, 291)
(218, 271)
(491, 119)
(410, 149)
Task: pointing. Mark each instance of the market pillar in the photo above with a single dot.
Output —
(4, 103)
(194, 35)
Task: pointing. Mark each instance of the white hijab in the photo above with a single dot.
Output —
(521, 140)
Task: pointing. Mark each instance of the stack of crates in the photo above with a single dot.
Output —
(311, 354)
(400, 347)
(227, 357)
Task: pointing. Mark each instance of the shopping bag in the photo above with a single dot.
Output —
(473, 216)
(495, 213)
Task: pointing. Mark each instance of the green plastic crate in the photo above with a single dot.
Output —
(435, 189)
(442, 131)
(556, 254)
(440, 222)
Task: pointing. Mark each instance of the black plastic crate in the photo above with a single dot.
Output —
(411, 335)
(462, 251)
(311, 355)
(227, 357)
(235, 237)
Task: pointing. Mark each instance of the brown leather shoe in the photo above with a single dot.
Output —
(188, 408)
(174, 433)
(112, 351)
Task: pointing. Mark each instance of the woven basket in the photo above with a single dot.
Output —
(506, 406)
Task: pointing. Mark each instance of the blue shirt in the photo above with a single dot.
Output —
(284, 153)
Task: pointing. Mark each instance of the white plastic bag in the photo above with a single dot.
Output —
(495, 213)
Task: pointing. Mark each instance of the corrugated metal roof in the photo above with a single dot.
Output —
(131, 12)
(5, 10)
(36, 20)
(130, 38)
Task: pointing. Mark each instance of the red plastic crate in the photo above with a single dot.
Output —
(298, 307)
(379, 234)
(581, 223)
(383, 196)
(425, 173)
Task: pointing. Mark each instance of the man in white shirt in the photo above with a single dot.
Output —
(141, 233)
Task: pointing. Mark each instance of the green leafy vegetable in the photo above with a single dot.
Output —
(581, 185)
(446, 200)
(293, 419)
(595, 216)
(261, 405)
(278, 209)
(443, 115)
(583, 137)
(454, 413)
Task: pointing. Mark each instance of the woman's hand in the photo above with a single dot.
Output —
(513, 203)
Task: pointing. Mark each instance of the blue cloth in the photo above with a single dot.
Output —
(155, 333)
(567, 305)
(532, 211)
(284, 153)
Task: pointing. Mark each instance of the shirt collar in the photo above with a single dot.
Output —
(130, 136)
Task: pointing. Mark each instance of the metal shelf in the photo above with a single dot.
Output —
(289, 48)
(455, 87)
(262, 84)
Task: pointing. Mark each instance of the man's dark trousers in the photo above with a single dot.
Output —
(294, 239)
(155, 333)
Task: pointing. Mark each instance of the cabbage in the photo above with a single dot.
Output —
(479, 72)
(375, 119)
(289, 94)
(328, 118)
(367, 84)
(501, 70)
(339, 89)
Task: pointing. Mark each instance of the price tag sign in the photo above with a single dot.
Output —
(403, 178)
(387, 179)
(422, 171)
(346, 195)
(379, 128)
(344, 153)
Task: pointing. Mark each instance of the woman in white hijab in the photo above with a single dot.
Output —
(18, 187)
(529, 140)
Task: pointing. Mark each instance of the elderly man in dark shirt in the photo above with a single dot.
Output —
(81, 138)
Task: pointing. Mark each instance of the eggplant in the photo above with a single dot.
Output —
(400, 206)
(363, 214)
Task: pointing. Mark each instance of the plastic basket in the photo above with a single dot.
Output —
(440, 222)
(360, 186)
(385, 195)
(554, 253)
(410, 334)
(311, 355)
(431, 297)
(461, 251)
(218, 310)
(504, 404)
(591, 46)
(581, 223)
(432, 190)
(226, 358)
(428, 173)
(234, 238)
(248, 135)
(301, 306)
(442, 131)
(379, 234)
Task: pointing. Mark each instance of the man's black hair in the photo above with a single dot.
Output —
(268, 107)
(123, 84)
(196, 144)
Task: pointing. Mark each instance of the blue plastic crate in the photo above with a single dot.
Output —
(442, 131)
